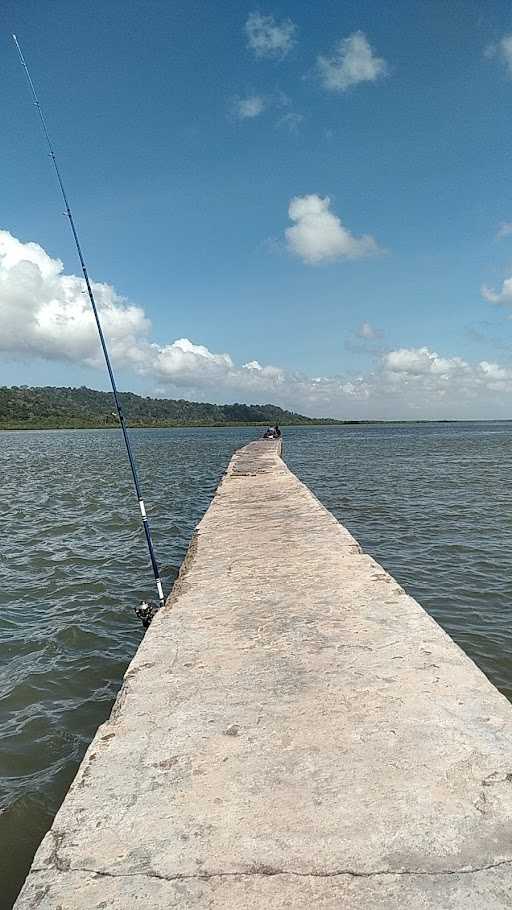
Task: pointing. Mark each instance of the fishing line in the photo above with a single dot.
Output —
(145, 611)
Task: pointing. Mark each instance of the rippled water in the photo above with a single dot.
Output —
(433, 503)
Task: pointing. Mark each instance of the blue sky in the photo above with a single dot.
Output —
(185, 131)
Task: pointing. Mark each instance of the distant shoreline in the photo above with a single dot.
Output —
(52, 424)
(67, 408)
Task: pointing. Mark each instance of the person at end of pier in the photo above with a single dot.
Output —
(274, 433)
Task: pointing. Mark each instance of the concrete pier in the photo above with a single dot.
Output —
(294, 732)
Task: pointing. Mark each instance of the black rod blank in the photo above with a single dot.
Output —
(131, 459)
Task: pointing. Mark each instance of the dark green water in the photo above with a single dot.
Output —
(433, 503)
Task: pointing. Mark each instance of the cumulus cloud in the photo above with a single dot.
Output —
(353, 62)
(268, 38)
(249, 107)
(503, 297)
(422, 362)
(45, 314)
(319, 236)
(184, 362)
(494, 372)
(421, 375)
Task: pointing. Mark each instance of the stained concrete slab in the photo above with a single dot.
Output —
(294, 731)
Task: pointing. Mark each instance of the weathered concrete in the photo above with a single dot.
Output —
(294, 731)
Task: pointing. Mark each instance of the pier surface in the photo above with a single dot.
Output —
(293, 732)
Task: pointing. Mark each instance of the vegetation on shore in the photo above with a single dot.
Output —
(24, 407)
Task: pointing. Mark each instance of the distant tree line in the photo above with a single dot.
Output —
(65, 407)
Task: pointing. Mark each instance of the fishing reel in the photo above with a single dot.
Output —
(145, 612)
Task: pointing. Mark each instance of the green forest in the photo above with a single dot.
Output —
(25, 407)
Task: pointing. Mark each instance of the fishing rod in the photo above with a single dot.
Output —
(145, 611)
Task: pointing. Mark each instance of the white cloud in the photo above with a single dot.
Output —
(503, 297)
(183, 362)
(423, 377)
(422, 362)
(45, 314)
(248, 108)
(268, 38)
(366, 330)
(503, 49)
(504, 230)
(291, 121)
(318, 234)
(352, 62)
(251, 106)
(364, 340)
(495, 373)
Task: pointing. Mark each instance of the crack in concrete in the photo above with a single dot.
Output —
(269, 871)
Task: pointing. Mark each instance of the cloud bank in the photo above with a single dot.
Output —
(45, 314)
